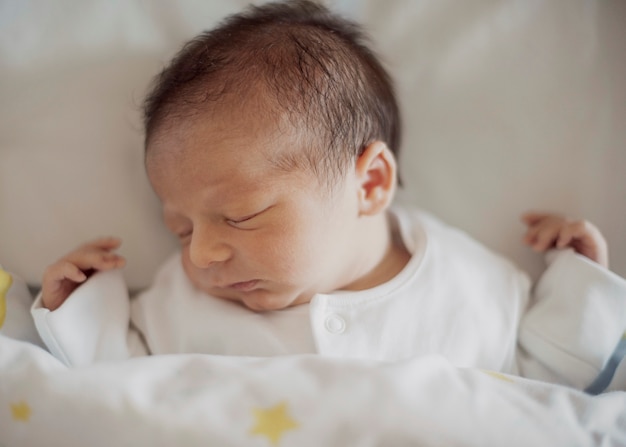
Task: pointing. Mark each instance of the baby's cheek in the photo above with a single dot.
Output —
(269, 249)
(295, 257)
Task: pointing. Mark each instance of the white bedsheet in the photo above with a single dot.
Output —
(289, 401)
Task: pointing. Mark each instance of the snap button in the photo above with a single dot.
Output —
(335, 324)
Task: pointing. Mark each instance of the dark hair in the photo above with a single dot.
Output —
(311, 64)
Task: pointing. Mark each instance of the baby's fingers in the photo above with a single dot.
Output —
(533, 218)
(107, 243)
(59, 280)
(94, 258)
(581, 234)
(60, 271)
(544, 234)
(570, 232)
(65, 275)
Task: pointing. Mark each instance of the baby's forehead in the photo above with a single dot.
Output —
(228, 138)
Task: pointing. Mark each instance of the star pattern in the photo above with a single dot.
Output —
(21, 411)
(273, 422)
(500, 376)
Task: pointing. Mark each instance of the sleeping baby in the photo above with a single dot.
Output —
(272, 142)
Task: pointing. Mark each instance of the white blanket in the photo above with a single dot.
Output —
(289, 401)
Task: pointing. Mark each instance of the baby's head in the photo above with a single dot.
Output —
(271, 142)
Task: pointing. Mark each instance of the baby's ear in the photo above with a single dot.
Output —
(376, 176)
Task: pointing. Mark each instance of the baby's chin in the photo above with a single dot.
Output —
(258, 300)
(264, 301)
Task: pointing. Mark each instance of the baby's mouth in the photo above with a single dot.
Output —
(244, 286)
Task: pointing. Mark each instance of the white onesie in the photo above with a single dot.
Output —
(454, 298)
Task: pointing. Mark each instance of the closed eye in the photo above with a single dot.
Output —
(184, 236)
(244, 219)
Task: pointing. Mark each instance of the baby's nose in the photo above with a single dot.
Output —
(206, 249)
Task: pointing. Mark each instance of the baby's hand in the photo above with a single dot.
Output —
(547, 231)
(65, 275)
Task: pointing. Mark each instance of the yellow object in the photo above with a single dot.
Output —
(20, 411)
(498, 375)
(5, 284)
(273, 422)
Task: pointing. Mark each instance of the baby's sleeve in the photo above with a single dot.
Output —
(92, 325)
(576, 319)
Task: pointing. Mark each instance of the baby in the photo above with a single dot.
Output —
(272, 142)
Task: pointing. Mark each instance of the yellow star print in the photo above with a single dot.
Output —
(20, 411)
(497, 375)
(273, 422)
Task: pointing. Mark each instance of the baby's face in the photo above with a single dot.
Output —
(250, 231)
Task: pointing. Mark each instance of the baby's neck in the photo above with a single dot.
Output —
(386, 259)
